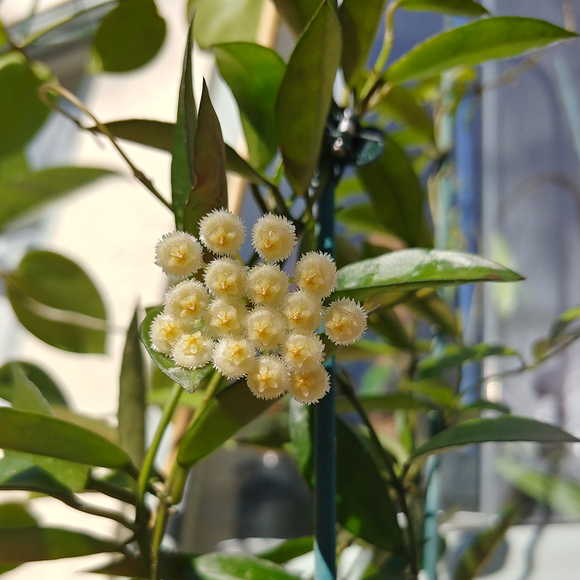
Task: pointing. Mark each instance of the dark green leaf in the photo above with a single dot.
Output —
(132, 390)
(99, 426)
(32, 543)
(189, 380)
(361, 218)
(454, 7)
(396, 192)
(216, 566)
(49, 389)
(253, 73)
(22, 113)
(25, 191)
(436, 390)
(408, 270)
(454, 356)
(56, 301)
(388, 402)
(435, 311)
(563, 320)
(474, 43)
(225, 414)
(561, 494)
(474, 558)
(288, 550)
(210, 188)
(301, 428)
(482, 405)
(385, 322)
(305, 95)
(182, 148)
(506, 428)
(219, 21)
(55, 438)
(130, 35)
(26, 395)
(359, 21)
(14, 515)
(297, 13)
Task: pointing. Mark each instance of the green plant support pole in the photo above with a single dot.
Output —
(324, 428)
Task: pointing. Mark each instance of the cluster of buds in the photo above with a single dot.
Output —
(245, 320)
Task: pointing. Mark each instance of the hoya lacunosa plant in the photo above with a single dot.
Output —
(252, 322)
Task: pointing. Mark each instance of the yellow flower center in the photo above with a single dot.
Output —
(236, 353)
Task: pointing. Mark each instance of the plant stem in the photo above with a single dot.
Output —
(259, 199)
(103, 513)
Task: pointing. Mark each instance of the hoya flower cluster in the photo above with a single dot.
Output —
(245, 320)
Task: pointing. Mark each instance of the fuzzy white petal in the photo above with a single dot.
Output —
(164, 332)
(222, 232)
(193, 350)
(309, 387)
(269, 377)
(303, 312)
(274, 237)
(226, 278)
(178, 254)
(266, 285)
(187, 302)
(303, 352)
(316, 273)
(266, 328)
(233, 357)
(225, 317)
(345, 321)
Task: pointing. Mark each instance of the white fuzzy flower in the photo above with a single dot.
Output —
(226, 278)
(309, 387)
(233, 357)
(316, 273)
(222, 232)
(274, 237)
(178, 254)
(225, 317)
(269, 377)
(303, 312)
(192, 351)
(187, 302)
(164, 332)
(265, 328)
(303, 352)
(266, 285)
(345, 321)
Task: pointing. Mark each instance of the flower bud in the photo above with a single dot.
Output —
(192, 351)
(309, 387)
(303, 352)
(303, 312)
(345, 321)
(222, 232)
(226, 278)
(225, 317)
(316, 273)
(187, 302)
(178, 254)
(265, 328)
(274, 237)
(269, 377)
(233, 357)
(266, 285)
(164, 332)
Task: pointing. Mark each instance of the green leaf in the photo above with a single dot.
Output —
(32, 543)
(55, 438)
(182, 147)
(454, 7)
(22, 113)
(305, 95)
(14, 515)
(561, 494)
(132, 390)
(99, 426)
(396, 192)
(455, 356)
(297, 13)
(25, 191)
(385, 322)
(225, 414)
(359, 21)
(388, 402)
(130, 35)
(506, 428)
(218, 21)
(219, 566)
(237, 164)
(361, 218)
(408, 270)
(253, 73)
(477, 554)
(210, 188)
(474, 43)
(49, 389)
(435, 311)
(483, 405)
(563, 321)
(56, 301)
(288, 550)
(189, 380)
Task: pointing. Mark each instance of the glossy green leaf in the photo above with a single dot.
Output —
(388, 402)
(188, 379)
(477, 554)
(210, 189)
(225, 414)
(305, 95)
(560, 493)
(130, 35)
(220, 566)
(55, 438)
(454, 7)
(395, 191)
(45, 384)
(33, 543)
(359, 21)
(288, 550)
(218, 21)
(474, 43)
(408, 270)
(132, 390)
(183, 138)
(506, 428)
(27, 190)
(454, 356)
(254, 74)
(56, 301)
(22, 113)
